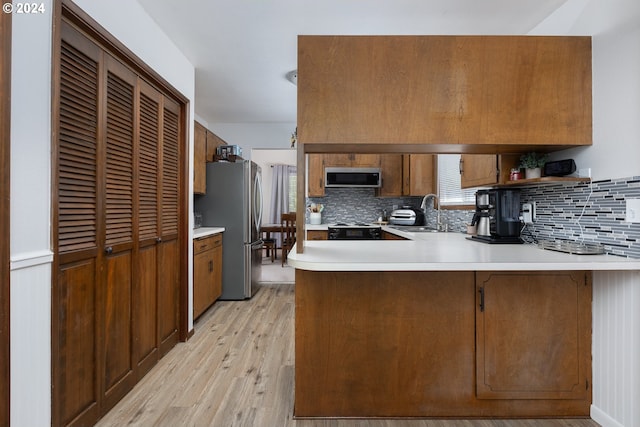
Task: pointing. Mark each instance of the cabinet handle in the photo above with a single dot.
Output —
(460, 166)
(210, 266)
(158, 239)
(481, 299)
(108, 250)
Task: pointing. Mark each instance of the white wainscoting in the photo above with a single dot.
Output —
(616, 348)
(31, 343)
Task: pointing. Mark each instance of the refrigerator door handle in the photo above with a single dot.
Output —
(258, 202)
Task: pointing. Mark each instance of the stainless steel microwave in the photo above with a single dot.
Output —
(352, 177)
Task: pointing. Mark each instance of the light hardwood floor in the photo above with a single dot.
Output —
(237, 370)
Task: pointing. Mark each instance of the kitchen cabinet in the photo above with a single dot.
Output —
(482, 93)
(430, 344)
(317, 234)
(402, 175)
(392, 184)
(317, 163)
(207, 272)
(419, 174)
(390, 236)
(494, 170)
(533, 335)
(199, 159)
(118, 243)
(478, 170)
(213, 142)
(315, 178)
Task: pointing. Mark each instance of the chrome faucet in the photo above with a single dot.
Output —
(423, 206)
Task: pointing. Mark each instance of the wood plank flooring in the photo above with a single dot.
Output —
(237, 370)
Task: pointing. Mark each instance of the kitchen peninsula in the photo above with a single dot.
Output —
(440, 326)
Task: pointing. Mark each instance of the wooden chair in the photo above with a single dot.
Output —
(288, 232)
(269, 245)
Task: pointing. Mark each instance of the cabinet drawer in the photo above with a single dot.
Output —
(205, 243)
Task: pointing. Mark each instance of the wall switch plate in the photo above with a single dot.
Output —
(633, 210)
(527, 213)
(584, 172)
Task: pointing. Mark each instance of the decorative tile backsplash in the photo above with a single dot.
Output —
(360, 204)
(593, 213)
(589, 212)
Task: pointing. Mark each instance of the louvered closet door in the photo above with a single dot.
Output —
(75, 300)
(169, 253)
(117, 281)
(145, 297)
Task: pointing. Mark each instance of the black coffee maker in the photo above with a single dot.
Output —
(502, 208)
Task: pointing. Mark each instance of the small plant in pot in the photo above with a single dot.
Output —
(532, 163)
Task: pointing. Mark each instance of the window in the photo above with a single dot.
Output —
(450, 192)
(293, 188)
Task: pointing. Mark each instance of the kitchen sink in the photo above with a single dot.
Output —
(414, 228)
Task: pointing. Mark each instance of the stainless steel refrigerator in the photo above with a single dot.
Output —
(234, 201)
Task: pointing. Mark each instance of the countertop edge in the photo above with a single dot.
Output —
(201, 232)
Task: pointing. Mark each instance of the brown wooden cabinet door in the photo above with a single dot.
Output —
(117, 247)
(116, 283)
(76, 301)
(169, 255)
(317, 235)
(216, 289)
(199, 159)
(365, 160)
(202, 281)
(419, 174)
(533, 335)
(145, 310)
(391, 167)
(316, 175)
(213, 142)
(478, 170)
(462, 90)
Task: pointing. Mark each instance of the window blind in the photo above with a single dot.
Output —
(449, 188)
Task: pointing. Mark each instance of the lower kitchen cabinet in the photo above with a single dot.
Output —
(317, 235)
(443, 344)
(533, 335)
(207, 272)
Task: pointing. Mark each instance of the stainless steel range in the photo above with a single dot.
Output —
(354, 231)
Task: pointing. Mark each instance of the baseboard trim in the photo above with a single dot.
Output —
(603, 418)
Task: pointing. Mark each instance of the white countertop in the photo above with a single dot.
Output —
(206, 231)
(442, 252)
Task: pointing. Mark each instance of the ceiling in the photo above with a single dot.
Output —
(242, 49)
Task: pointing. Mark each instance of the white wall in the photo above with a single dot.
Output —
(615, 29)
(616, 348)
(31, 254)
(31, 183)
(255, 135)
(266, 158)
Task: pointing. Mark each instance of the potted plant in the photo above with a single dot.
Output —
(532, 163)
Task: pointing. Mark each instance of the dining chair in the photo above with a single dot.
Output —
(269, 245)
(288, 232)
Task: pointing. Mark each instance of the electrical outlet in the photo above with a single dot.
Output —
(633, 210)
(527, 213)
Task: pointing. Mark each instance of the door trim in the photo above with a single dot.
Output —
(5, 161)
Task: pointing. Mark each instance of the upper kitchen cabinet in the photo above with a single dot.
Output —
(485, 94)
(213, 142)
(199, 159)
(205, 144)
(419, 174)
